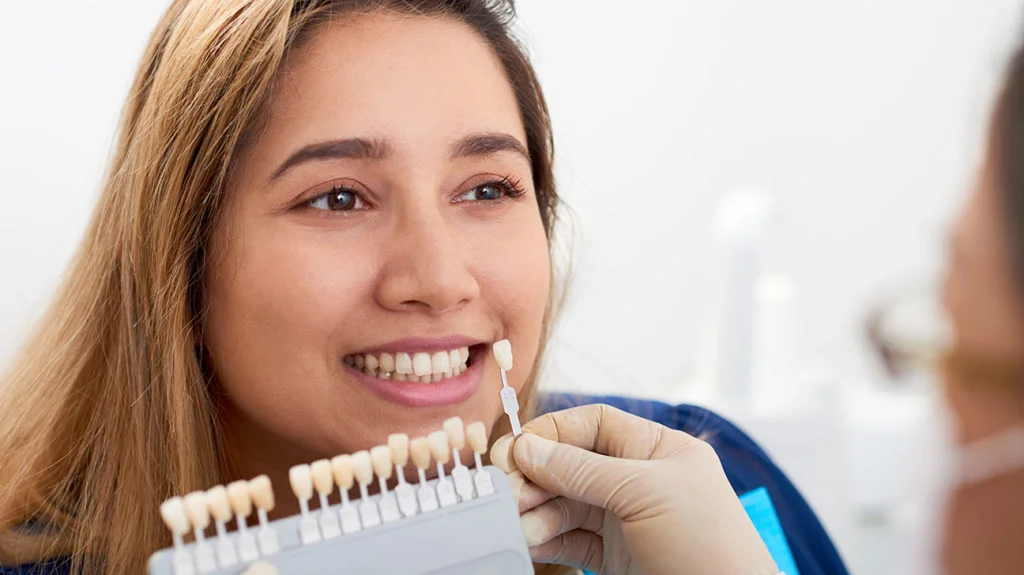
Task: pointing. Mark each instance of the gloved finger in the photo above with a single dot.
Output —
(559, 516)
(501, 454)
(609, 431)
(579, 548)
(526, 493)
(569, 471)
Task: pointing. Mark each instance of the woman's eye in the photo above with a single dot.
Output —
(338, 200)
(486, 192)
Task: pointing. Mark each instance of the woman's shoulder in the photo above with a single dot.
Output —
(59, 566)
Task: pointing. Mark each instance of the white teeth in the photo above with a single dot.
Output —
(421, 364)
(420, 367)
(371, 363)
(439, 362)
(403, 363)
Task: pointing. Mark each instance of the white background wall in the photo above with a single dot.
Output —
(863, 118)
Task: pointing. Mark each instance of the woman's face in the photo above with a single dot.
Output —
(986, 521)
(385, 217)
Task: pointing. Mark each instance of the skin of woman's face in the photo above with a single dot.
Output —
(985, 522)
(388, 207)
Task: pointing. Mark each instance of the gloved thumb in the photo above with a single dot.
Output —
(569, 471)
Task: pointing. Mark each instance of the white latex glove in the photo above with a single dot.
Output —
(612, 493)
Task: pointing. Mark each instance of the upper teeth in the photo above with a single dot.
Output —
(420, 366)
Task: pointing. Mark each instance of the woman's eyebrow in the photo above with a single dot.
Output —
(351, 148)
(483, 144)
(487, 144)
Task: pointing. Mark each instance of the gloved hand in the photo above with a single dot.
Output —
(612, 493)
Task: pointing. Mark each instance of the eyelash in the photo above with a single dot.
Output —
(511, 186)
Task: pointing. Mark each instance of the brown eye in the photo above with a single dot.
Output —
(487, 192)
(339, 199)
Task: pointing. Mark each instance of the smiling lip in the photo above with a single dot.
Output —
(448, 391)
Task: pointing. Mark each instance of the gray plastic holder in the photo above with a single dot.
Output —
(474, 537)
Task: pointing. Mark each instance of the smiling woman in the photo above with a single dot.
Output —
(319, 217)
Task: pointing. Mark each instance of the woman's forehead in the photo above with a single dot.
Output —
(409, 80)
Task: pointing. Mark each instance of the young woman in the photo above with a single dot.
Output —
(301, 191)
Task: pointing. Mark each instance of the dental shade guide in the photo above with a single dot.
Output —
(345, 477)
(456, 432)
(241, 505)
(362, 465)
(476, 433)
(478, 532)
(323, 482)
(199, 517)
(440, 450)
(398, 445)
(383, 466)
(175, 518)
(503, 355)
(220, 509)
(419, 449)
(262, 494)
(301, 479)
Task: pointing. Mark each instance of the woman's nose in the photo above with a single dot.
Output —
(426, 267)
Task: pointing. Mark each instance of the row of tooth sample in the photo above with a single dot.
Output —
(194, 512)
(220, 505)
(423, 367)
(404, 499)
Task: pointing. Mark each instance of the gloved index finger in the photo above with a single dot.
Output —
(609, 431)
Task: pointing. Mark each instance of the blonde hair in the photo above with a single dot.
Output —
(106, 411)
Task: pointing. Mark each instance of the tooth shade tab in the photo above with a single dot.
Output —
(238, 495)
(398, 444)
(198, 513)
(387, 362)
(363, 467)
(456, 432)
(174, 515)
(476, 433)
(199, 517)
(301, 479)
(262, 493)
(503, 354)
(344, 473)
(419, 449)
(382, 463)
(439, 448)
(322, 480)
(217, 501)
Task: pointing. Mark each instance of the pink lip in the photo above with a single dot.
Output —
(422, 345)
(414, 394)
